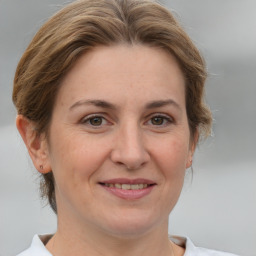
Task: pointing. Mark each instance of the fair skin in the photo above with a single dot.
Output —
(119, 120)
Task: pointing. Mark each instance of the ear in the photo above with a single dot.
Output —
(36, 144)
(192, 148)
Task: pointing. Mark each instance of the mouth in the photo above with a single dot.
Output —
(129, 189)
(126, 186)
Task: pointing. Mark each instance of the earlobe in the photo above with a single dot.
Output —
(189, 162)
(36, 144)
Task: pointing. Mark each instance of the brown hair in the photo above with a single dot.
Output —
(84, 24)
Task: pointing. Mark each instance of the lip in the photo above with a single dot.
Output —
(129, 194)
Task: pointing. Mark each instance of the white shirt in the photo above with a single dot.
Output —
(37, 248)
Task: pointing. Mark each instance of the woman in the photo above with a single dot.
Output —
(110, 105)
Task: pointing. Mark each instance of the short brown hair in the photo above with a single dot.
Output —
(85, 24)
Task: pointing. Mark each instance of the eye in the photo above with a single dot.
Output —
(157, 120)
(160, 120)
(94, 121)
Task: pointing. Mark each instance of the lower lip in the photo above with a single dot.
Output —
(129, 194)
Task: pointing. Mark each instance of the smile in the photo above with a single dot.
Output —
(126, 186)
(128, 189)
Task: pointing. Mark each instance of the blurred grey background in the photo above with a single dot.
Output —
(217, 208)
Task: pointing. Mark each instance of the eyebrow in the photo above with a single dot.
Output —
(108, 105)
(162, 103)
(97, 103)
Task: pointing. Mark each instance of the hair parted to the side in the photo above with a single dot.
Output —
(85, 24)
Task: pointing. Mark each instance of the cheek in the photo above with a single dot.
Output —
(76, 157)
(171, 159)
(75, 160)
(172, 156)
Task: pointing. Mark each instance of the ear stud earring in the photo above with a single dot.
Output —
(41, 167)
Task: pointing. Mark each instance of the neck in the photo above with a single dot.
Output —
(91, 241)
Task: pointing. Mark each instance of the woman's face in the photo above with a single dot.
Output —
(119, 140)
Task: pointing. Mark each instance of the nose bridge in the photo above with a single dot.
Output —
(132, 139)
(129, 148)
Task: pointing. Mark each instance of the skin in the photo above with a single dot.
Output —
(124, 141)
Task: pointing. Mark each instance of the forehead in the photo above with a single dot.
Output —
(123, 71)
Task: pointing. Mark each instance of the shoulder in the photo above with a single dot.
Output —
(192, 250)
(37, 247)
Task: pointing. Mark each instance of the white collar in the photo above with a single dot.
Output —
(38, 247)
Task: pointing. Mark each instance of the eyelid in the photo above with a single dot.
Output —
(159, 114)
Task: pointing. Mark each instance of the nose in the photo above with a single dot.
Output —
(129, 149)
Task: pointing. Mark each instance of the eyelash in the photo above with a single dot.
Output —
(165, 119)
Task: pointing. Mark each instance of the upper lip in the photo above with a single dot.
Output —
(128, 181)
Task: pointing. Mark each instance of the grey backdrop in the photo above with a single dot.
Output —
(217, 208)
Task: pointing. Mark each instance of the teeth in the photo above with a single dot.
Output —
(135, 186)
(126, 186)
(141, 186)
(117, 185)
